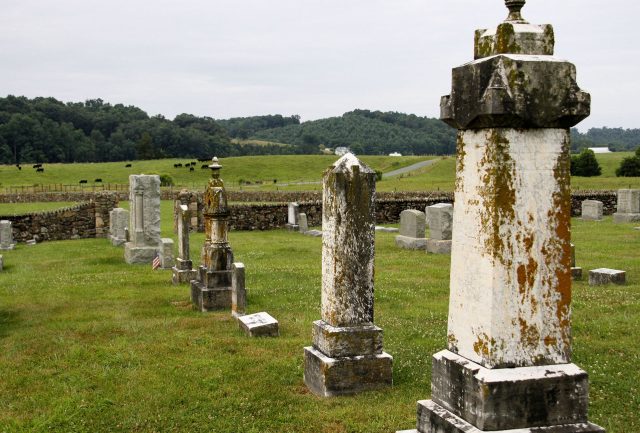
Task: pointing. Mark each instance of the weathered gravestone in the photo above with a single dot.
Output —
(628, 207)
(347, 356)
(508, 364)
(6, 235)
(576, 272)
(259, 325)
(118, 225)
(144, 219)
(166, 253)
(238, 291)
(600, 276)
(440, 219)
(293, 217)
(412, 230)
(303, 225)
(212, 289)
(592, 210)
(183, 271)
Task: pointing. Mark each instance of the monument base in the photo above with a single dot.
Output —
(620, 218)
(576, 273)
(409, 243)
(134, 254)
(117, 242)
(183, 276)
(292, 227)
(438, 247)
(467, 397)
(209, 299)
(433, 418)
(328, 377)
(7, 247)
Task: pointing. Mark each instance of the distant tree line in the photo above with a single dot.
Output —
(616, 139)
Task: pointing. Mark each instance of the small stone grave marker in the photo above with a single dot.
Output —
(259, 325)
(601, 276)
(592, 210)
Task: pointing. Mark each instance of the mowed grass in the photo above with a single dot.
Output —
(90, 344)
(254, 169)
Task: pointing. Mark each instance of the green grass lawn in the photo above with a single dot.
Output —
(24, 208)
(90, 344)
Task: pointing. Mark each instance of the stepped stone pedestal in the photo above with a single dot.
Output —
(347, 355)
(507, 366)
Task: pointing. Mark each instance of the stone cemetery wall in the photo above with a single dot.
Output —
(85, 220)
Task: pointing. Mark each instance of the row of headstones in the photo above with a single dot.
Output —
(627, 206)
(413, 225)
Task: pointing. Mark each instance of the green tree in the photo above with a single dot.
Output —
(585, 164)
(144, 149)
(630, 166)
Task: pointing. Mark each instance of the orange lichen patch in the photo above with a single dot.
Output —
(483, 345)
(550, 341)
(529, 334)
(453, 342)
(460, 157)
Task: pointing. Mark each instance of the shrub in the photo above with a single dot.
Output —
(585, 164)
(166, 180)
(378, 175)
(630, 166)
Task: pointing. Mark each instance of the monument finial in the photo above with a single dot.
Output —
(515, 6)
(215, 167)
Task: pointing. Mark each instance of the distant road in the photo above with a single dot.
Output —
(409, 168)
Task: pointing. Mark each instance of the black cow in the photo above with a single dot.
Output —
(19, 168)
(39, 170)
(37, 165)
(98, 180)
(179, 164)
(204, 166)
(191, 169)
(83, 181)
(193, 163)
(127, 166)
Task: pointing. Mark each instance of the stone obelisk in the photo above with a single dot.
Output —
(508, 364)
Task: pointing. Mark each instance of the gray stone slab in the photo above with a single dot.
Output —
(408, 243)
(509, 398)
(328, 377)
(628, 201)
(238, 290)
(259, 325)
(304, 225)
(338, 342)
(144, 219)
(183, 276)
(6, 235)
(412, 224)
(139, 255)
(592, 210)
(602, 276)
(387, 229)
(314, 233)
(620, 218)
(434, 246)
(209, 299)
(440, 219)
(118, 226)
(166, 253)
(293, 213)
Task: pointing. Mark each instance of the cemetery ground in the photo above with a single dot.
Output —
(90, 344)
(291, 172)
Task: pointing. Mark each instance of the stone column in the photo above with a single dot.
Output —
(292, 217)
(238, 291)
(6, 235)
(347, 355)
(144, 225)
(508, 364)
(183, 271)
(212, 289)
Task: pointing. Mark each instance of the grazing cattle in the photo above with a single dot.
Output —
(193, 163)
(98, 180)
(19, 168)
(175, 165)
(127, 166)
(179, 164)
(37, 165)
(83, 181)
(204, 166)
(191, 169)
(203, 159)
(39, 170)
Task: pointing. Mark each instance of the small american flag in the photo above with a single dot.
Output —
(155, 264)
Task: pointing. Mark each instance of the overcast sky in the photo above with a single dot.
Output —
(315, 58)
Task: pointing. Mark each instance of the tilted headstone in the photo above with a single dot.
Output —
(238, 291)
(347, 356)
(628, 207)
(118, 224)
(303, 224)
(144, 219)
(440, 219)
(6, 235)
(259, 325)
(183, 271)
(293, 217)
(508, 366)
(212, 289)
(598, 277)
(412, 230)
(592, 210)
(576, 272)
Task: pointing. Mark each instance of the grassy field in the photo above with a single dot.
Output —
(252, 169)
(90, 344)
(24, 208)
(292, 173)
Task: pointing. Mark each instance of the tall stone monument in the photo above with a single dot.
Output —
(118, 224)
(212, 289)
(346, 356)
(628, 206)
(6, 235)
(508, 364)
(144, 220)
(183, 271)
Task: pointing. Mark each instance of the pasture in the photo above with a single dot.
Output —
(90, 344)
